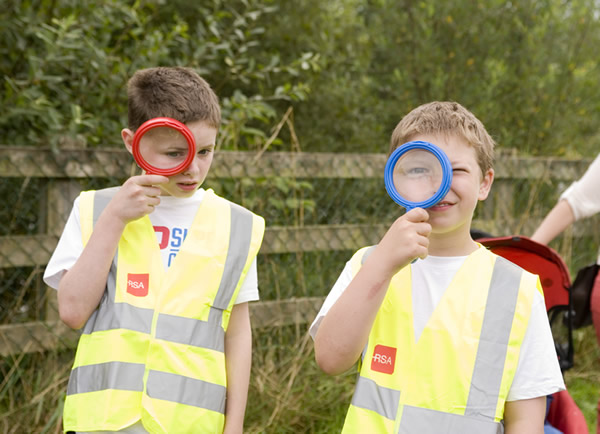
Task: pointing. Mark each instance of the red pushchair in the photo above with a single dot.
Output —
(564, 414)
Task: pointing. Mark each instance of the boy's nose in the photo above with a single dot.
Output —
(193, 168)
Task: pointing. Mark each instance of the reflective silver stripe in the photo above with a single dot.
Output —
(110, 316)
(366, 255)
(371, 396)
(185, 390)
(102, 376)
(101, 199)
(426, 421)
(493, 341)
(364, 352)
(240, 236)
(104, 314)
(362, 261)
(190, 331)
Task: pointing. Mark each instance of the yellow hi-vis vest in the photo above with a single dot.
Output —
(456, 377)
(154, 348)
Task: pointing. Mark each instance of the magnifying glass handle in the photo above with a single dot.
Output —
(409, 208)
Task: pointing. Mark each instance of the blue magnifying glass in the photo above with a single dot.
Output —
(418, 174)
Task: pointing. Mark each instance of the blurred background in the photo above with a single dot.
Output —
(310, 92)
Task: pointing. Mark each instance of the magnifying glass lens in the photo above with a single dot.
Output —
(163, 148)
(418, 175)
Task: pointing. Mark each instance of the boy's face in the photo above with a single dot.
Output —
(186, 183)
(453, 214)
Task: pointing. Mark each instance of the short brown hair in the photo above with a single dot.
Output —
(174, 92)
(446, 118)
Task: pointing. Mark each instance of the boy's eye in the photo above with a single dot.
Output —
(417, 171)
(204, 151)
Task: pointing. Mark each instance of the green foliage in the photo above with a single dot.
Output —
(65, 65)
(527, 69)
(350, 68)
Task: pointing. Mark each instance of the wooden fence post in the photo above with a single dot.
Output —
(59, 201)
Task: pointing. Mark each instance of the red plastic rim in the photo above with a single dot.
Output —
(163, 122)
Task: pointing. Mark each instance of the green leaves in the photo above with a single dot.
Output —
(65, 66)
(349, 68)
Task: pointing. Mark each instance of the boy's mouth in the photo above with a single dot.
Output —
(441, 206)
(187, 186)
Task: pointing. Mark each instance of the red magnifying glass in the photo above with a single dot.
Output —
(167, 151)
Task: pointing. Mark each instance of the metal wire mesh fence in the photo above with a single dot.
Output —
(319, 208)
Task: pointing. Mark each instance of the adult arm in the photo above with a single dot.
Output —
(238, 359)
(525, 416)
(557, 220)
(344, 330)
(81, 287)
(580, 200)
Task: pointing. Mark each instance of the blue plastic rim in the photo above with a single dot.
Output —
(446, 174)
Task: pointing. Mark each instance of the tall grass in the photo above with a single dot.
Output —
(32, 391)
(288, 393)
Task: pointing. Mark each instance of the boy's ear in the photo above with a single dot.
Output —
(127, 136)
(486, 184)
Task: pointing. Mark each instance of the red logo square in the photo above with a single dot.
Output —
(384, 359)
(137, 284)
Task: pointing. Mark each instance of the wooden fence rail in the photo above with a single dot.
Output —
(63, 170)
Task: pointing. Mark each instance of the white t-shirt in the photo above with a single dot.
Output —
(584, 195)
(538, 372)
(171, 220)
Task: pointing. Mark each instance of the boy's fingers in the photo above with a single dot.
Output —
(417, 215)
(152, 179)
(424, 229)
(151, 190)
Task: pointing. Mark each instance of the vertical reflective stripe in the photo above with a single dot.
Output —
(367, 254)
(371, 396)
(185, 390)
(493, 342)
(101, 199)
(110, 375)
(426, 421)
(190, 331)
(364, 352)
(240, 236)
(119, 316)
(105, 313)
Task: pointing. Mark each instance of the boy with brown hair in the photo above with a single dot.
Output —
(455, 342)
(158, 272)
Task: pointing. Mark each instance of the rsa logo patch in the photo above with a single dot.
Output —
(137, 284)
(384, 359)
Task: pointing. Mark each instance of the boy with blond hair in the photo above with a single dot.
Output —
(158, 274)
(457, 341)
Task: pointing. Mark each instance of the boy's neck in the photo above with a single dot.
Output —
(451, 245)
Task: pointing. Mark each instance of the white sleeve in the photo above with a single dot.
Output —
(538, 372)
(249, 289)
(340, 286)
(67, 250)
(584, 195)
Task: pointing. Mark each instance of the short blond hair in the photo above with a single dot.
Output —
(446, 118)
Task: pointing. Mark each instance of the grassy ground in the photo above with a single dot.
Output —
(288, 393)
